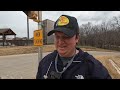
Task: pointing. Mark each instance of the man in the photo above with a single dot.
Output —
(68, 61)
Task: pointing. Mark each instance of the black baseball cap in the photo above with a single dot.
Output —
(66, 24)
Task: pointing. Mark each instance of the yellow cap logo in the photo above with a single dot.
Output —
(63, 21)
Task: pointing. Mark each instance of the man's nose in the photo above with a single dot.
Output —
(61, 40)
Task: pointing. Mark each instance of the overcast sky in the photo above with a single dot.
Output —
(17, 20)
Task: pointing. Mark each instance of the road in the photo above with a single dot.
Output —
(24, 66)
(98, 53)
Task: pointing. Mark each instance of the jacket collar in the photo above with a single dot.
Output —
(77, 57)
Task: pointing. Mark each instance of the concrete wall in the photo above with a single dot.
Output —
(48, 25)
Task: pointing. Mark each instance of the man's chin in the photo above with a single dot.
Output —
(61, 53)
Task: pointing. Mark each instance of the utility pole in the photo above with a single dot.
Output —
(27, 30)
(38, 34)
(40, 28)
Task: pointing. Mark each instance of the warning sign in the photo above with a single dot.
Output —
(38, 38)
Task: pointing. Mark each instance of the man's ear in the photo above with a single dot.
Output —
(77, 38)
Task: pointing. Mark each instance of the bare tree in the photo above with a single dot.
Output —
(104, 35)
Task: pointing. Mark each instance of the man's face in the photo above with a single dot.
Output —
(65, 45)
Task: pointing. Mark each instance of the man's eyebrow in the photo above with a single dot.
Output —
(66, 36)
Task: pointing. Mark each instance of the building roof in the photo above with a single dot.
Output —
(6, 31)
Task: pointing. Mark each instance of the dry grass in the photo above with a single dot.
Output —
(24, 49)
(48, 48)
(17, 50)
(34, 49)
(105, 61)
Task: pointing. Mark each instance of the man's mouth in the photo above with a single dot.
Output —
(62, 47)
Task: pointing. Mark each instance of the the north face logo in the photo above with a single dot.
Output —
(79, 77)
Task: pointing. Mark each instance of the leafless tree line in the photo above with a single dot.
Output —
(105, 35)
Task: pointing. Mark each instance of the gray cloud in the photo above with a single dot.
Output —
(97, 16)
(17, 20)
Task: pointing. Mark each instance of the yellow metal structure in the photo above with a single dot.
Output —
(32, 15)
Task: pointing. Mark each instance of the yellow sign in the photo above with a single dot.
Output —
(63, 21)
(38, 38)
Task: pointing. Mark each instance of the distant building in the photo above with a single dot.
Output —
(47, 26)
(5, 32)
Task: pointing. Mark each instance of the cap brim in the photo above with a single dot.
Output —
(66, 31)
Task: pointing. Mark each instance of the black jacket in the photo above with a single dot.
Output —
(84, 66)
